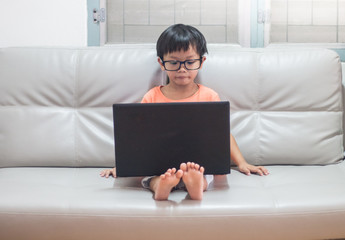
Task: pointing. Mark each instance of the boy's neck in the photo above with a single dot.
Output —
(177, 92)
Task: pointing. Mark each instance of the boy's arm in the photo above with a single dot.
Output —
(242, 164)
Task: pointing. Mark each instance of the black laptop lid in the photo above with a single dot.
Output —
(153, 137)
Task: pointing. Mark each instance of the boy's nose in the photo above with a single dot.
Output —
(182, 67)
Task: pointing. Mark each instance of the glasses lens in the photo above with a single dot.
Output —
(172, 65)
(193, 64)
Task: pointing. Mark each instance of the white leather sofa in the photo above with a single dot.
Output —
(56, 135)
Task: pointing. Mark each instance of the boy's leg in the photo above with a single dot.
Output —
(163, 184)
(194, 179)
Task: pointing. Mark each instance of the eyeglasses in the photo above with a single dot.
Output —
(190, 64)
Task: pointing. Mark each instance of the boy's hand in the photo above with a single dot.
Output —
(108, 172)
(248, 169)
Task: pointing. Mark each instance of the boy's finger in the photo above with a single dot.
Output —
(247, 171)
(264, 170)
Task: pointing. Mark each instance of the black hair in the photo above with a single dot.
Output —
(180, 37)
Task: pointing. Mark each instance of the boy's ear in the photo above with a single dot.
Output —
(160, 63)
(203, 59)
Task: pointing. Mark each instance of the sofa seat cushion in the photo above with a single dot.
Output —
(307, 201)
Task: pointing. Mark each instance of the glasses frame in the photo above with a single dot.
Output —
(182, 62)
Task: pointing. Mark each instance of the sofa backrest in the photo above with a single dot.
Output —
(286, 104)
(55, 103)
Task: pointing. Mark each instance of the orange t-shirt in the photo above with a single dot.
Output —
(204, 94)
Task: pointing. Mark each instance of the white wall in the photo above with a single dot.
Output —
(43, 23)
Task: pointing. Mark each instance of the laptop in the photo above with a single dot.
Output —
(150, 138)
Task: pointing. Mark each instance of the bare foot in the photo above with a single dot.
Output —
(162, 185)
(193, 178)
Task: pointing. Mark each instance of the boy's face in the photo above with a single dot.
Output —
(182, 77)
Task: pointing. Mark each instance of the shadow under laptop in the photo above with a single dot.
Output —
(220, 182)
(127, 182)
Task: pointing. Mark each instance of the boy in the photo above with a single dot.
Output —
(180, 50)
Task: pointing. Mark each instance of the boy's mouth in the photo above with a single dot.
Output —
(181, 77)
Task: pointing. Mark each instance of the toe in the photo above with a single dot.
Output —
(179, 173)
(192, 165)
(183, 167)
(166, 174)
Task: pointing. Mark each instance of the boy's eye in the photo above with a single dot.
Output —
(191, 62)
(173, 62)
